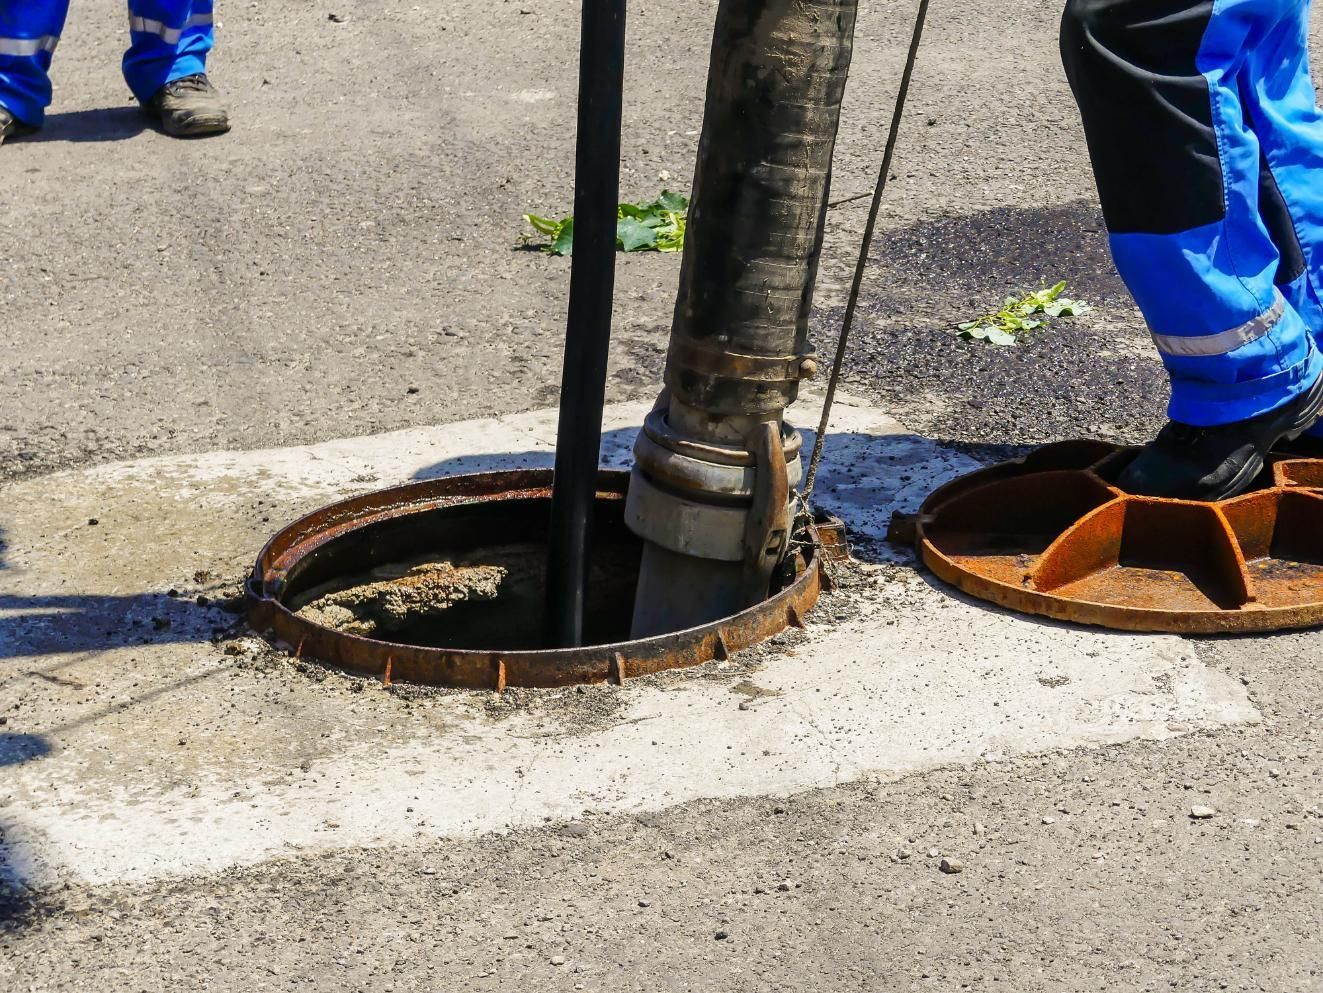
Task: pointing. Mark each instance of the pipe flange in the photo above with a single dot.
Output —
(699, 479)
(656, 427)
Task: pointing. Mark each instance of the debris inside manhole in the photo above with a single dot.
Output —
(393, 601)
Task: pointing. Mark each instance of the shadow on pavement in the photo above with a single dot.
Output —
(68, 624)
(17, 906)
(15, 749)
(864, 477)
(103, 124)
(53, 624)
(20, 905)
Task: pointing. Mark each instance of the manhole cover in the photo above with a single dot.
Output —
(441, 582)
(1051, 534)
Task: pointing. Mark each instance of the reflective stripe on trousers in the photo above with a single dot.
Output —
(1207, 148)
(169, 35)
(28, 46)
(1224, 341)
(171, 38)
(168, 39)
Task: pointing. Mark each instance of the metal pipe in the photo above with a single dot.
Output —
(739, 336)
(588, 329)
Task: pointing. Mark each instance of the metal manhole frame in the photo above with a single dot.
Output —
(495, 670)
(1244, 529)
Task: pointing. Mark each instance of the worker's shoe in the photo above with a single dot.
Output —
(189, 107)
(1215, 463)
(12, 127)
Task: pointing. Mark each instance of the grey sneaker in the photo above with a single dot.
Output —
(12, 127)
(190, 107)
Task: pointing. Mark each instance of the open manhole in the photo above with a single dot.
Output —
(1051, 534)
(442, 582)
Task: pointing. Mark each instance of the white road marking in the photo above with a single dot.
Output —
(124, 760)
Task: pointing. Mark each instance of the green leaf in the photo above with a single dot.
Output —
(634, 236)
(673, 202)
(658, 225)
(1017, 315)
(563, 244)
(670, 237)
(543, 225)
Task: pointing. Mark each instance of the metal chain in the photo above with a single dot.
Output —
(848, 322)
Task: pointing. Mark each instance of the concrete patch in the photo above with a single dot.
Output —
(132, 748)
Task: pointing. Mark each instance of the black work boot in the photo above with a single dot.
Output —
(12, 127)
(190, 107)
(1189, 463)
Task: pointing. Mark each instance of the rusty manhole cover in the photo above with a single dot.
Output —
(444, 537)
(1051, 534)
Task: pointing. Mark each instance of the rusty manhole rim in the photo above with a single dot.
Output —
(490, 669)
(1242, 533)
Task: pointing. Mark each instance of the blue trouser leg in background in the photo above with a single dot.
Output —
(29, 31)
(170, 39)
(1207, 146)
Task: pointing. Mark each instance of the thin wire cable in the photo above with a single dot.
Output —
(845, 200)
(848, 321)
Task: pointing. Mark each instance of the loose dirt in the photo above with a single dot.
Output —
(421, 591)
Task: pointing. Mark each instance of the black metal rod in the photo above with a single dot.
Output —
(588, 330)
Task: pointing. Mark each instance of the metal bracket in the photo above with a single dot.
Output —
(904, 528)
(767, 527)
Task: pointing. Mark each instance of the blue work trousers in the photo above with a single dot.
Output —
(1207, 148)
(168, 39)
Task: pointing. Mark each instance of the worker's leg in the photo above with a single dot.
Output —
(1177, 167)
(169, 39)
(166, 65)
(1277, 92)
(1177, 164)
(29, 31)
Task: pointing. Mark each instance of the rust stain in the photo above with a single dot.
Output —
(832, 538)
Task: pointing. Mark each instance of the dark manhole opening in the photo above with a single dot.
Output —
(443, 582)
(468, 578)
